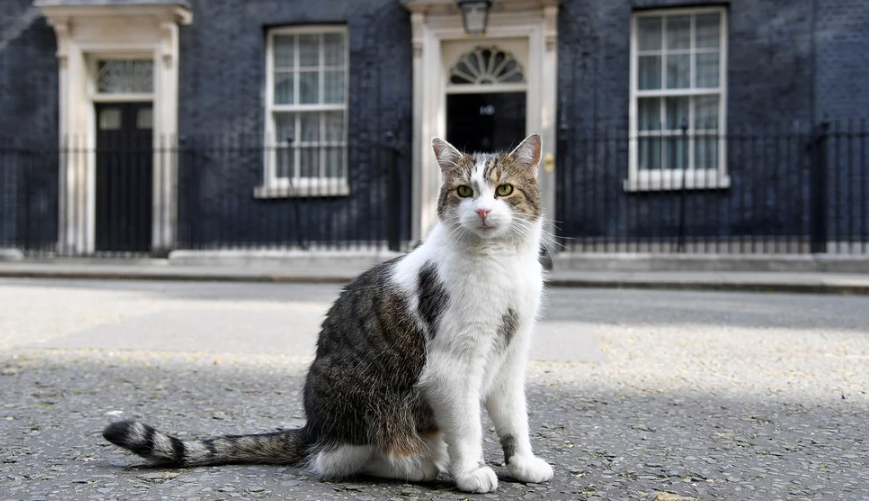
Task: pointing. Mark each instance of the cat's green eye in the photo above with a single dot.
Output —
(465, 191)
(504, 190)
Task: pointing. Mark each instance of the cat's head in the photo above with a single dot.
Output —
(490, 195)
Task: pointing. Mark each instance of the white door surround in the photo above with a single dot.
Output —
(437, 24)
(86, 33)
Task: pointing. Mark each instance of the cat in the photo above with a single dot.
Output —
(413, 349)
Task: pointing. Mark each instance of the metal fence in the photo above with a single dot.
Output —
(131, 198)
(778, 192)
(775, 192)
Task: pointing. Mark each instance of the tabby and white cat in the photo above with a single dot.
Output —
(413, 348)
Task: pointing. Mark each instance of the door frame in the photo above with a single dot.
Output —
(87, 32)
(449, 89)
(433, 23)
(96, 98)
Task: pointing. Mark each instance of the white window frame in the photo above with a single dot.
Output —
(273, 186)
(672, 179)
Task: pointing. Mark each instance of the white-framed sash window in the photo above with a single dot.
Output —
(678, 99)
(306, 112)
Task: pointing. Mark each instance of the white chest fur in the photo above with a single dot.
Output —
(484, 285)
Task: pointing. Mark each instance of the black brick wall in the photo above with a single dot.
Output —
(842, 45)
(222, 82)
(790, 63)
(28, 124)
(773, 92)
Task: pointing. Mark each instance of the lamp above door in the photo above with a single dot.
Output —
(475, 15)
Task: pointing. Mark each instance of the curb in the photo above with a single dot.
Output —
(788, 263)
(711, 286)
(176, 277)
(553, 281)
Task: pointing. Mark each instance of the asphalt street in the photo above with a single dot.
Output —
(647, 395)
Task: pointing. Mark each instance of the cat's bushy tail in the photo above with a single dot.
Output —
(284, 447)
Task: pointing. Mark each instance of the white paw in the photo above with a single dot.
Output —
(481, 480)
(429, 471)
(529, 469)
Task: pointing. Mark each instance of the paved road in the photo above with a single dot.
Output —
(634, 395)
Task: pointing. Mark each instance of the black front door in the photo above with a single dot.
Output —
(124, 177)
(486, 122)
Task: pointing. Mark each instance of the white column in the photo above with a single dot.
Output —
(417, 20)
(163, 230)
(549, 110)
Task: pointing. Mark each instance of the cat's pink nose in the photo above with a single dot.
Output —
(483, 213)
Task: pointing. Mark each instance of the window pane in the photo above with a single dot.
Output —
(675, 153)
(335, 161)
(284, 51)
(117, 76)
(707, 70)
(678, 71)
(310, 127)
(110, 119)
(284, 131)
(650, 113)
(679, 32)
(706, 152)
(333, 87)
(309, 163)
(285, 127)
(708, 27)
(284, 87)
(650, 33)
(649, 153)
(309, 87)
(706, 113)
(285, 158)
(334, 125)
(676, 112)
(309, 51)
(333, 48)
(145, 118)
(650, 72)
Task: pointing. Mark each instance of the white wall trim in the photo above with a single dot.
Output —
(435, 22)
(89, 32)
(663, 180)
(274, 186)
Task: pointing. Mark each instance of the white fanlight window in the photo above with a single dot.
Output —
(486, 68)
(125, 76)
(678, 99)
(306, 112)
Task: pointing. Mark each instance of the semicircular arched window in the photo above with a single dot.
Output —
(486, 65)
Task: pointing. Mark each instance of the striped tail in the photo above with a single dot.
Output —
(284, 447)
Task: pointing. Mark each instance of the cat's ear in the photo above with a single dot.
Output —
(527, 154)
(448, 156)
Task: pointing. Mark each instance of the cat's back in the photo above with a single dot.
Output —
(371, 309)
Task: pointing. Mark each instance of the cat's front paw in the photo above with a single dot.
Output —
(480, 481)
(529, 469)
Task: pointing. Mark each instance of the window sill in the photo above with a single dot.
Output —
(310, 191)
(674, 183)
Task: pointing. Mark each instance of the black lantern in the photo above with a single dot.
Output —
(475, 15)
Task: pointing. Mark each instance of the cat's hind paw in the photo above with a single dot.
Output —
(530, 469)
(480, 481)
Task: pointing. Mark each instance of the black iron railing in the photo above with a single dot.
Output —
(778, 192)
(760, 193)
(125, 197)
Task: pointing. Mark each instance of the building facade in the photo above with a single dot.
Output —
(152, 125)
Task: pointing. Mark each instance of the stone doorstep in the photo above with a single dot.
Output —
(11, 255)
